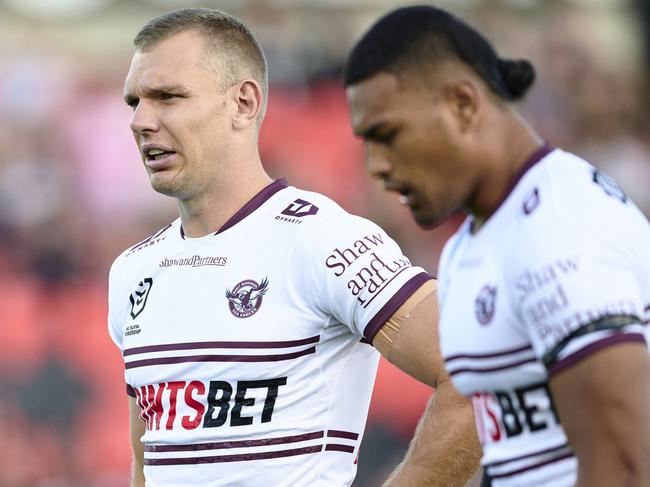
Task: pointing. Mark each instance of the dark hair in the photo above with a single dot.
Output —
(225, 36)
(424, 35)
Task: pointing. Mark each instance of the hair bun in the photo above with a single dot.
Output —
(518, 75)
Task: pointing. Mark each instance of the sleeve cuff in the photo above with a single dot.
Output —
(592, 348)
(393, 304)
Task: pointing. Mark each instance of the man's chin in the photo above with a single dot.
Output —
(164, 187)
(425, 220)
(430, 221)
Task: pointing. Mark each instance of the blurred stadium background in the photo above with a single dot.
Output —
(73, 193)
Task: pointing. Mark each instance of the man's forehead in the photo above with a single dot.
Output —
(165, 64)
(373, 97)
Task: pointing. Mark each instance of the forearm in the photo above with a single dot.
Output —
(137, 475)
(444, 451)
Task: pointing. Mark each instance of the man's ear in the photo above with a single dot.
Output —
(464, 99)
(249, 98)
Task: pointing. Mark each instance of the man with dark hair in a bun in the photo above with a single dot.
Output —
(545, 288)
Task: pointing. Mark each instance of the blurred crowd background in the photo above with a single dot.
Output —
(73, 193)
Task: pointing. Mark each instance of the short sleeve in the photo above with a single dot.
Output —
(576, 293)
(358, 275)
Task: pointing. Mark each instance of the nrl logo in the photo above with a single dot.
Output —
(245, 299)
(139, 297)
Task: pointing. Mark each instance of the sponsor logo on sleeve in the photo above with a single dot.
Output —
(373, 274)
(485, 304)
(550, 303)
(531, 201)
(297, 210)
(138, 298)
(608, 185)
(540, 290)
(245, 299)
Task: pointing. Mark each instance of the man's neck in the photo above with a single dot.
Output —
(519, 144)
(207, 213)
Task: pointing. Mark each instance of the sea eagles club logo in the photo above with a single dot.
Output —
(139, 297)
(246, 297)
(484, 305)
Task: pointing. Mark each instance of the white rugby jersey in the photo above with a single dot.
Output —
(247, 349)
(528, 295)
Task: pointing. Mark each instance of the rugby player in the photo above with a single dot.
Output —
(545, 287)
(247, 325)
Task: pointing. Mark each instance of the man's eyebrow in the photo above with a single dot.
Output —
(371, 132)
(155, 91)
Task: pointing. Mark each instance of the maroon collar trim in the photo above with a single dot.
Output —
(537, 156)
(253, 204)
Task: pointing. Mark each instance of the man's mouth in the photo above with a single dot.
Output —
(157, 154)
(405, 195)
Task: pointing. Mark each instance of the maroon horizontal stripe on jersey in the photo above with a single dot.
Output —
(219, 358)
(531, 467)
(501, 353)
(203, 345)
(342, 448)
(242, 457)
(484, 370)
(234, 444)
(342, 434)
(522, 457)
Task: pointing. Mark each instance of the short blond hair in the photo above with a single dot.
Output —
(239, 54)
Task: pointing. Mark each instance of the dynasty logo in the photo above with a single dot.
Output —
(245, 299)
(296, 210)
(139, 297)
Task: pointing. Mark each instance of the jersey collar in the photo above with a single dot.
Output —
(534, 158)
(253, 204)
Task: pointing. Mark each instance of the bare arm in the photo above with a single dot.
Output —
(604, 405)
(137, 430)
(445, 449)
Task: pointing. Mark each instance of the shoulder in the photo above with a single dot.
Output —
(320, 219)
(565, 194)
(143, 251)
(567, 206)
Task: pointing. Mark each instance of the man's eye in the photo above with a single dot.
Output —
(387, 137)
(167, 96)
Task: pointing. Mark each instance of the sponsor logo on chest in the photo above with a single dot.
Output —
(194, 261)
(501, 415)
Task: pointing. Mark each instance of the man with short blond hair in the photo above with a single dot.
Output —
(246, 324)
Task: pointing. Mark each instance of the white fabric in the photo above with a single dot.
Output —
(275, 394)
(565, 249)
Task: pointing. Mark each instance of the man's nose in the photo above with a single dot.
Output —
(144, 118)
(377, 164)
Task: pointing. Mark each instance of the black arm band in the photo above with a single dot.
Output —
(606, 323)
